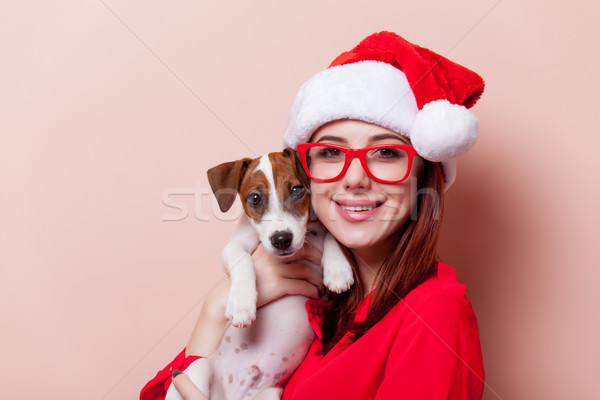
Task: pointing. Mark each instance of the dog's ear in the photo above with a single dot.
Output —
(225, 181)
(298, 167)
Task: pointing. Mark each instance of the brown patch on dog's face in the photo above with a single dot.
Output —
(291, 184)
(254, 192)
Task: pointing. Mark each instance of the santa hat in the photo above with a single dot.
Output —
(388, 81)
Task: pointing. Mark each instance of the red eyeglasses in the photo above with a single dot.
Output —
(387, 163)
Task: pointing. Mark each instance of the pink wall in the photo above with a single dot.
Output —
(105, 111)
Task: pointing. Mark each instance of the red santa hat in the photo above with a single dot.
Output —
(388, 81)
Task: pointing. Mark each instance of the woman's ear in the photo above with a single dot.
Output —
(225, 180)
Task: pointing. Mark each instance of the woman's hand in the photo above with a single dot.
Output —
(275, 277)
(186, 387)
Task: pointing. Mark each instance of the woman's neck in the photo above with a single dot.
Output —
(369, 261)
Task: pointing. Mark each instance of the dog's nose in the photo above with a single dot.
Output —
(281, 240)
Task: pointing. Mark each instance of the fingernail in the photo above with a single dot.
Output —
(175, 373)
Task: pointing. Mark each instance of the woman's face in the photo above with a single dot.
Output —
(357, 210)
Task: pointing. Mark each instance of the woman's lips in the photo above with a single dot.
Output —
(357, 210)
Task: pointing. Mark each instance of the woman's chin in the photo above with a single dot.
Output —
(355, 240)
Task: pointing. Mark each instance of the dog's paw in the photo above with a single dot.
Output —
(338, 277)
(241, 309)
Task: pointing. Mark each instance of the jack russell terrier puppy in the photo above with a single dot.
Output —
(258, 353)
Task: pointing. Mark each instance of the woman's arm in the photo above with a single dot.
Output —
(211, 324)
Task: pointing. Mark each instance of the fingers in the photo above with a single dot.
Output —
(276, 280)
(311, 254)
(300, 270)
(307, 252)
(186, 387)
(277, 277)
(301, 287)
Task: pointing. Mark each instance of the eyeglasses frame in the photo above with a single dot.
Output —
(350, 154)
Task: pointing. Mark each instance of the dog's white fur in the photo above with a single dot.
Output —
(276, 219)
(251, 361)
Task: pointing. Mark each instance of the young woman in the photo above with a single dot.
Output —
(378, 132)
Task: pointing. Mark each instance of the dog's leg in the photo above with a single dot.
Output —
(200, 373)
(237, 260)
(337, 272)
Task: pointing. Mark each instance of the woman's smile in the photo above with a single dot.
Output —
(357, 209)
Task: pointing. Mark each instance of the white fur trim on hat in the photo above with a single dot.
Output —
(370, 91)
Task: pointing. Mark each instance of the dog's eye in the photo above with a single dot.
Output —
(297, 191)
(254, 199)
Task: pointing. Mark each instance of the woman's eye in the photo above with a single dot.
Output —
(297, 191)
(329, 152)
(254, 199)
(389, 152)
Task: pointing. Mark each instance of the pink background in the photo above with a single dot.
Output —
(111, 110)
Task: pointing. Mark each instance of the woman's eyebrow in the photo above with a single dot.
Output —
(332, 138)
(374, 138)
(384, 136)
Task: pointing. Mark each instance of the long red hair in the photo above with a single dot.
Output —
(412, 261)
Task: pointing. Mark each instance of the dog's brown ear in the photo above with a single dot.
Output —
(225, 181)
(299, 169)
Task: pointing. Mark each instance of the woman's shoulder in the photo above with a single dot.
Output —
(441, 283)
(440, 297)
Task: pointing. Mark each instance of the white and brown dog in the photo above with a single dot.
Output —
(251, 362)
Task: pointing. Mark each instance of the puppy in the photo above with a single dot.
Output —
(258, 353)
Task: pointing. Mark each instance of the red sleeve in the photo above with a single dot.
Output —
(437, 355)
(158, 386)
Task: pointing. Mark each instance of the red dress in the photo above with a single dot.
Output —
(426, 347)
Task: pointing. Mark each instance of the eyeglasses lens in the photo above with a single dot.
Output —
(387, 163)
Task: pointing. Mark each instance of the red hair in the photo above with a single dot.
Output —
(411, 262)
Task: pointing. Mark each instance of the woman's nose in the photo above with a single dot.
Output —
(355, 176)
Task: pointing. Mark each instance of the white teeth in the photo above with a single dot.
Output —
(360, 208)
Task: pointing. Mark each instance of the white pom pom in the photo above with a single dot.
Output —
(442, 130)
